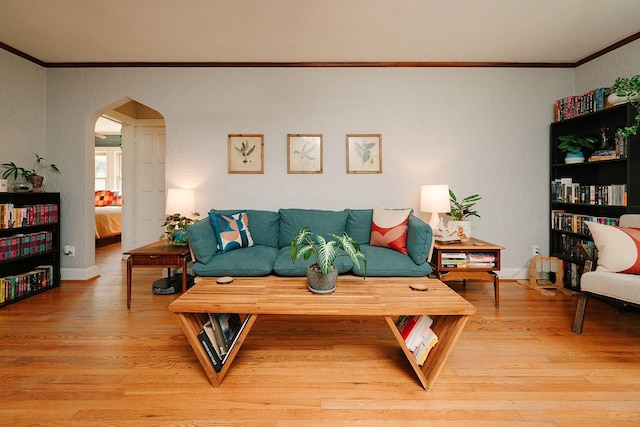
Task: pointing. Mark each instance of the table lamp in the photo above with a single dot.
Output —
(181, 201)
(435, 199)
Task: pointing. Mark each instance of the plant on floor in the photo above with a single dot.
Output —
(325, 252)
(461, 210)
(176, 228)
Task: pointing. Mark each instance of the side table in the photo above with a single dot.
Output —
(474, 260)
(158, 254)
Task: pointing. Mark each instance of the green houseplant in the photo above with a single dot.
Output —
(30, 175)
(323, 275)
(461, 210)
(574, 146)
(175, 227)
(626, 90)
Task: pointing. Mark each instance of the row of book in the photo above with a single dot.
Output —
(24, 245)
(568, 246)
(14, 287)
(219, 334)
(577, 105)
(418, 335)
(563, 190)
(467, 260)
(12, 216)
(576, 223)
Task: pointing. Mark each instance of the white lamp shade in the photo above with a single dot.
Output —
(435, 198)
(180, 201)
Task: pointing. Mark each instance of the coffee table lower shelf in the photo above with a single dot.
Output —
(389, 297)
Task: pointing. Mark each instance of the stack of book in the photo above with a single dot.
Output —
(453, 260)
(481, 260)
(418, 335)
(219, 334)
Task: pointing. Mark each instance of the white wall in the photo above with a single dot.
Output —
(479, 130)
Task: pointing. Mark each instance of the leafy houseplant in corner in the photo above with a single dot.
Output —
(461, 210)
(574, 147)
(175, 227)
(27, 179)
(323, 275)
(626, 90)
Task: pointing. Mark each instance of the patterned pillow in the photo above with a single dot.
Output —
(618, 248)
(104, 198)
(389, 228)
(232, 230)
(118, 201)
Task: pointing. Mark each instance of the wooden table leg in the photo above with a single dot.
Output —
(496, 288)
(129, 267)
(184, 274)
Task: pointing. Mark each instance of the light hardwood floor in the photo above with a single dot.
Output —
(75, 356)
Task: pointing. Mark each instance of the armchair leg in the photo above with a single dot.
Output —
(578, 321)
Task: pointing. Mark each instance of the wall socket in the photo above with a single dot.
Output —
(70, 250)
(535, 250)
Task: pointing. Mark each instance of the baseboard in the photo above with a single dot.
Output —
(79, 274)
(514, 273)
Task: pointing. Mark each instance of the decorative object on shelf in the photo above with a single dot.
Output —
(364, 153)
(626, 90)
(4, 185)
(246, 153)
(32, 181)
(461, 210)
(435, 199)
(323, 275)
(176, 224)
(573, 145)
(304, 153)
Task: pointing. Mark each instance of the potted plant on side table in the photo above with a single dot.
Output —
(175, 227)
(322, 276)
(461, 210)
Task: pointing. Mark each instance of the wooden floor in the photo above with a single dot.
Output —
(76, 356)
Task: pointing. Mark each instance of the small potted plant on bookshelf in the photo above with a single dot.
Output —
(27, 179)
(322, 276)
(626, 90)
(574, 146)
(461, 210)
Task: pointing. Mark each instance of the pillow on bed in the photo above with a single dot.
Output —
(104, 198)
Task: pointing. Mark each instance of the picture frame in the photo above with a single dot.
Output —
(364, 153)
(246, 153)
(304, 153)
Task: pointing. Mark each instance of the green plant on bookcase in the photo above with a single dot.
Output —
(627, 89)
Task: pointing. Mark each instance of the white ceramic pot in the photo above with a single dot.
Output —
(464, 230)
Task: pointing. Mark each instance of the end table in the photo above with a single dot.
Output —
(474, 260)
(158, 254)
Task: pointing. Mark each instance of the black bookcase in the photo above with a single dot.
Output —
(596, 192)
(29, 244)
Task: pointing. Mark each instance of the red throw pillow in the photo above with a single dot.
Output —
(389, 228)
(104, 198)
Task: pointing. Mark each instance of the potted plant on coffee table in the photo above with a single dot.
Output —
(322, 276)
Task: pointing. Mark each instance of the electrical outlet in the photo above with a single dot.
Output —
(70, 250)
(535, 250)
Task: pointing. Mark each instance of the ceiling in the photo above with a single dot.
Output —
(67, 32)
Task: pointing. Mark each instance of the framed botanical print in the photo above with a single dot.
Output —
(364, 153)
(246, 153)
(304, 153)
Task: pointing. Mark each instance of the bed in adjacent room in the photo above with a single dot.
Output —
(108, 214)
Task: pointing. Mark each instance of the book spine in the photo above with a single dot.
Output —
(217, 330)
(208, 347)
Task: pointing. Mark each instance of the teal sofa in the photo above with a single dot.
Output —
(272, 233)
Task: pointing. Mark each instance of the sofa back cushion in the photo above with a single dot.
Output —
(419, 240)
(202, 240)
(263, 225)
(359, 225)
(320, 222)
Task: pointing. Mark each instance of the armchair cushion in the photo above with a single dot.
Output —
(618, 248)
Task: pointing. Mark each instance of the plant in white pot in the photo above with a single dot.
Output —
(461, 210)
(322, 276)
(626, 90)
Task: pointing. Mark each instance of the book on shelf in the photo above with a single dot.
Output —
(427, 342)
(230, 326)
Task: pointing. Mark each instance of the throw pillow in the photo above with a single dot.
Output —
(104, 198)
(389, 228)
(618, 248)
(232, 230)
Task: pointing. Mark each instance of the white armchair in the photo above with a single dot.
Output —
(619, 287)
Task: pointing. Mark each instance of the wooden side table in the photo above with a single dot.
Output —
(158, 254)
(452, 262)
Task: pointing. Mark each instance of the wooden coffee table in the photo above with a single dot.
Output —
(375, 296)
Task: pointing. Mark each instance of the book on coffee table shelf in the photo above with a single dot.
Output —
(219, 334)
(418, 335)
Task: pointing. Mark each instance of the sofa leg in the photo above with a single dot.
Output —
(578, 321)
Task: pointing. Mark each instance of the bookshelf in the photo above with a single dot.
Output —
(29, 245)
(600, 189)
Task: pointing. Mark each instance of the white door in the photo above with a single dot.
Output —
(143, 194)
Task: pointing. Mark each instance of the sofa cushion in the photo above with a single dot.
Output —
(232, 230)
(384, 262)
(320, 222)
(264, 225)
(359, 225)
(618, 248)
(285, 267)
(389, 228)
(625, 287)
(419, 240)
(202, 240)
(256, 260)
